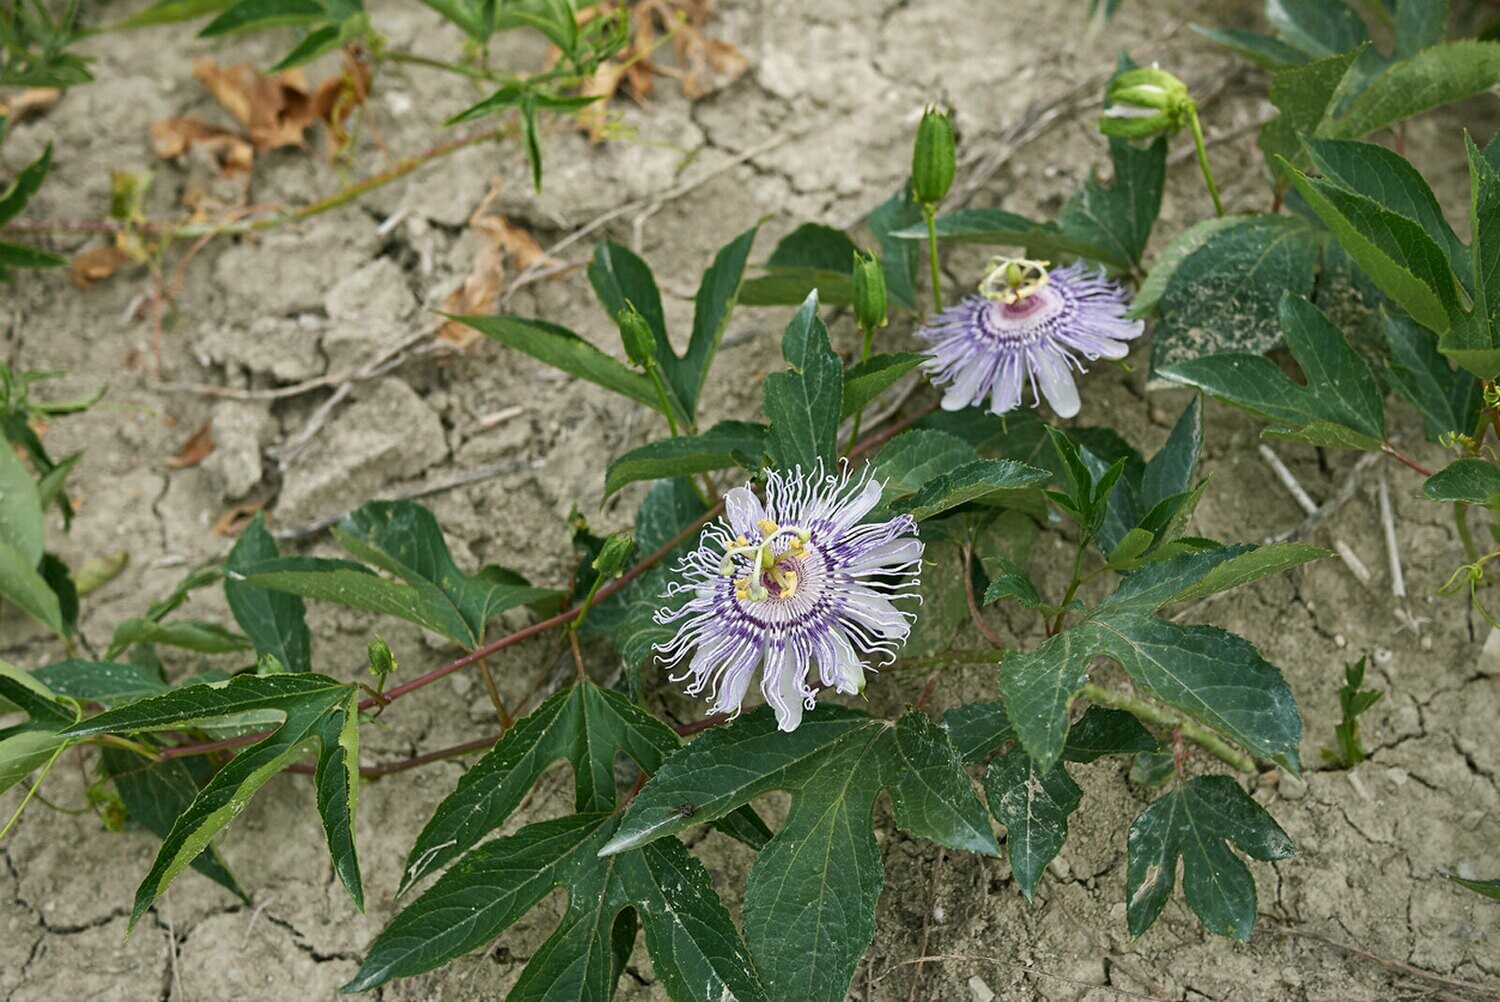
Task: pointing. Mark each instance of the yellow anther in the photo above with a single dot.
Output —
(767, 527)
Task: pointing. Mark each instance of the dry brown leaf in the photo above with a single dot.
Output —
(195, 450)
(479, 295)
(338, 96)
(233, 521)
(97, 264)
(172, 137)
(28, 104)
(275, 111)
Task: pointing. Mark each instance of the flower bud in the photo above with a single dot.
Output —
(1145, 102)
(933, 160)
(640, 342)
(869, 292)
(382, 661)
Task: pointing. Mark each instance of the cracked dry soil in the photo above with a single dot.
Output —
(840, 84)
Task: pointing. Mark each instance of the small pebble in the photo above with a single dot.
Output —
(980, 991)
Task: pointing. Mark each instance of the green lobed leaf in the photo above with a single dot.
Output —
(930, 792)
(249, 15)
(1033, 806)
(695, 950)
(1006, 229)
(22, 584)
(1213, 676)
(977, 730)
(16, 256)
(1431, 78)
(1449, 399)
(1339, 406)
(973, 481)
(26, 184)
(1317, 27)
(1011, 582)
(562, 349)
(307, 704)
(189, 634)
(275, 622)
(24, 752)
(1488, 888)
(108, 683)
(1263, 50)
(803, 404)
(812, 256)
(685, 455)
(1394, 251)
(1389, 179)
(900, 259)
(1148, 296)
(172, 11)
(717, 294)
(154, 794)
(1198, 822)
(867, 380)
(913, 458)
(403, 539)
(1471, 481)
(809, 907)
(1117, 218)
(1101, 732)
(1474, 340)
(1302, 96)
(1224, 297)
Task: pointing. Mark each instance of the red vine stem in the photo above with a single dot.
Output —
(1391, 450)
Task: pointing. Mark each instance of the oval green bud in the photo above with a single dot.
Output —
(640, 342)
(1145, 102)
(933, 159)
(869, 292)
(382, 661)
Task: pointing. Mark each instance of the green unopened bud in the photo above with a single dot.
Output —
(382, 661)
(934, 159)
(869, 292)
(1145, 102)
(640, 342)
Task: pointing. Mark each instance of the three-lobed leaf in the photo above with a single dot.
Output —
(314, 709)
(1198, 822)
(809, 907)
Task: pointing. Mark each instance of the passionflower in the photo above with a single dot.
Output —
(1027, 326)
(796, 580)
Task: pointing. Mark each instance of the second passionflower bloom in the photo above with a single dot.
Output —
(790, 583)
(1027, 327)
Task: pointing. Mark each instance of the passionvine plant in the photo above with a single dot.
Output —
(818, 553)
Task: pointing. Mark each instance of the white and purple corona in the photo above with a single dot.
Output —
(1027, 326)
(790, 583)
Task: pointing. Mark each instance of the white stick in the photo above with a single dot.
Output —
(1388, 523)
(1304, 501)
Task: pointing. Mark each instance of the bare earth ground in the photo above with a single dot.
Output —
(840, 83)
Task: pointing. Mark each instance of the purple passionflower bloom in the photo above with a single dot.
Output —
(1027, 326)
(790, 582)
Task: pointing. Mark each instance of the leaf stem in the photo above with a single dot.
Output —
(501, 713)
(1152, 713)
(1055, 626)
(1461, 520)
(930, 211)
(985, 628)
(1396, 454)
(864, 356)
(1208, 174)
